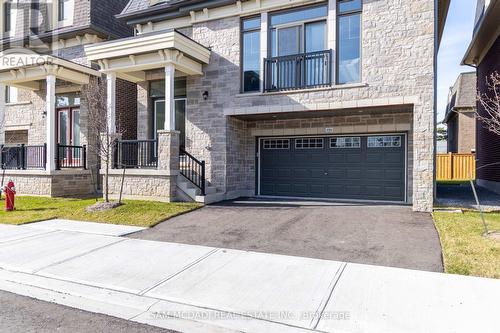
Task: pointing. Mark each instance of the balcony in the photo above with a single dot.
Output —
(299, 71)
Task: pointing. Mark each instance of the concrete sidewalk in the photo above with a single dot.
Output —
(204, 289)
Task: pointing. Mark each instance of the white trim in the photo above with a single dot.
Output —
(406, 164)
(247, 8)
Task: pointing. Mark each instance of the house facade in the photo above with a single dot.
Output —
(45, 82)
(309, 99)
(484, 54)
(282, 98)
(461, 115)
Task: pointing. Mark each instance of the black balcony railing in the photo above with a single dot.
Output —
(23, 157)
(192, 169)
(141, 154)
(71, 157)
(299, 71)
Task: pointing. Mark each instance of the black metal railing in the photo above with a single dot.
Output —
(299, 71)
(71, 157)
(135, 154)
(192, 169)
(23, 157)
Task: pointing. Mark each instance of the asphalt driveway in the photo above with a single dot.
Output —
(386, 235)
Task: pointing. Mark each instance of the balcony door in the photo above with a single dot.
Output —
(295, 37)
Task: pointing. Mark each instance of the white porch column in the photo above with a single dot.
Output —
(50, 101)
(169, 98)
(111, 102)
(2, 114)
(263, 46)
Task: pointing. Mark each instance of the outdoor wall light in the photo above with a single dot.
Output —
(205, 95)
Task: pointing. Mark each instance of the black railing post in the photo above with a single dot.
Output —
(58, 160)
(22, 157)
(44, 156)
(202, 178)
(115, 145)
(84, 157)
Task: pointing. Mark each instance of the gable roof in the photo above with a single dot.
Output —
(462, 94)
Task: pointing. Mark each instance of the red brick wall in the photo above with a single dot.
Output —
(488, 143)
(126, 109)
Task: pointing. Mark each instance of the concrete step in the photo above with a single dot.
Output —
(189, 190)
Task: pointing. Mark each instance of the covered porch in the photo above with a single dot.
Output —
(53, 156)
(158, 64)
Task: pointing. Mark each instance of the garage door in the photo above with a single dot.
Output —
(339, 167)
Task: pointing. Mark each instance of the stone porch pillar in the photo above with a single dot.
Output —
(168, 159)
(168, 151)
(51, 122)
(111, 102)
(169, 98)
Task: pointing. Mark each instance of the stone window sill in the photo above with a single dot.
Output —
(302, 91)
(18, 103)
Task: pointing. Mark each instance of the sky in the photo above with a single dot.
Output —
(456, 38)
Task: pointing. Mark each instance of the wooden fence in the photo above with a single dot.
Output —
(456, 166)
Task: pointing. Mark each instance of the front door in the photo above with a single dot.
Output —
(180, 118)
(68, 132)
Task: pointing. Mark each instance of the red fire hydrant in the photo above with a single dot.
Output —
(10, 193)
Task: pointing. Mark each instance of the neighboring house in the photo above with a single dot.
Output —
(43, 72)
(283, 98)
(484, 54)
(460, 115)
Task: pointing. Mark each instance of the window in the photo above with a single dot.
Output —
(297, 31)
(9, 17)
(65, 10)
(347, 142)
(309, 143)
(384, 141)
(349, 41)
(67, 100)
(250, 39)
(276, 144)
(10, 94)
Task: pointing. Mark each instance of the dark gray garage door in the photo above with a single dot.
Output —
(353, 167)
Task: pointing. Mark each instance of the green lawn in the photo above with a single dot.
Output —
(137, 213)
(465, 250)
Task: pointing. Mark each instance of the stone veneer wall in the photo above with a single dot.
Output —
(70, 183)
(395, 122)
(143, 185)
(467, 131)
(397, 68)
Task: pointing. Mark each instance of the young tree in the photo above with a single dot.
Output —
(100, 139)
(490, 103)
(442, 133)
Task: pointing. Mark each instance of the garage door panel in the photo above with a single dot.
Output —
(343, 173)
(300, 188)
(354, 174)
(353, 158)
(317, 189)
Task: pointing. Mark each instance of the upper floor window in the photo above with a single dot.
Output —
(65, 10)
(10, 94)
(349, 41)
(297, 31)
(9, 17)
(250, 39)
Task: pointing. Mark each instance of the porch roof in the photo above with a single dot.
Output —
(24, 70)
(129, 58)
